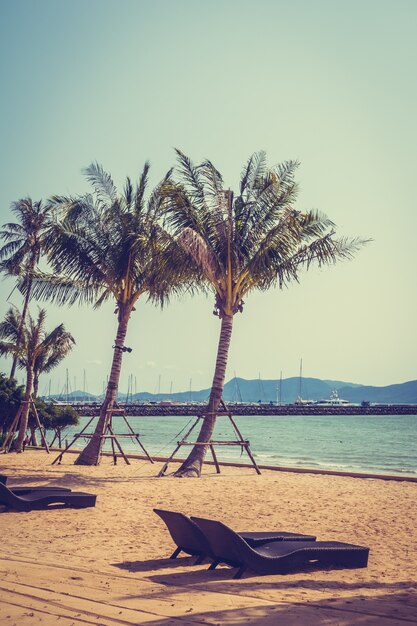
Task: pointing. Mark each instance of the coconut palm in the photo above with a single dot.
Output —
(255, 239)
(50, 356)
(109, 246)
(35, 344)
(20, 254)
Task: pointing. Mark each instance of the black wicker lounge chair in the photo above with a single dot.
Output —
(45, 499)
(276, 557)
(190, 539)
(22, 491)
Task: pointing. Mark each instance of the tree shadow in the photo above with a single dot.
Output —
(223, 575)
(384, 610)
(218, 579)
(155, 564)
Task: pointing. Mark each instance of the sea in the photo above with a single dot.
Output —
(379, 444)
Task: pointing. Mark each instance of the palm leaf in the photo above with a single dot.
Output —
(200, 252)
(140, 190)
(102, 183)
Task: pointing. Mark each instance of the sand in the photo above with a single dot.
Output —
(108, 565)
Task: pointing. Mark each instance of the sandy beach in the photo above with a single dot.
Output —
(108, 565)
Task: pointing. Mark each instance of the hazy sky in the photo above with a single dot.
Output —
(330, 83)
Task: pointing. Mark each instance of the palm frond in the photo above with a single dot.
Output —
(102, 183)
(273, 268)
(105, 295)
(200, 252)
(17, 234)
(253, 170)
(140, 190)
(191, 176)
(9, 327)
(128, 192)
(7, 348)
(61, 290)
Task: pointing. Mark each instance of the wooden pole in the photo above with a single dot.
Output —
(216, 463)
(45, 443)
(180, 443)
(77, 436)
(134, 435)
(118, 445)
(13, 427)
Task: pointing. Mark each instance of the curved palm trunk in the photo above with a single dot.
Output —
(22, 321)
(23, 424)
(91, 453)
(193, 464)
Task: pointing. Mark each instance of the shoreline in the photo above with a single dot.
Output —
(273, 468)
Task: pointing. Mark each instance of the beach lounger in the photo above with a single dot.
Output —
(44, 499)
(276, 557)
(22, 491)
(190, 539)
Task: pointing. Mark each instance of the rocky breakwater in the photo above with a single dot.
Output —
(165, 409)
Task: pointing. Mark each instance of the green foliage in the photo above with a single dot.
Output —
(23, 239)
(11, 395)
(255, 239)
(52, 416)
(107, 245)
(38, 349)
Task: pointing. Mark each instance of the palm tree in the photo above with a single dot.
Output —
(20, 254)
(254, 240)
(109, 246)
(35, 344)
(50, 355)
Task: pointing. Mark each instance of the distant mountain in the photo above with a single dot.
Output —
(404, 393)
(243, 390)
(337, 384)
(74, 396)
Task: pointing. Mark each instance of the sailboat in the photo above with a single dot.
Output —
(300, 399)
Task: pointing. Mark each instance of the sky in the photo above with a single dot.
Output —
(329, 83)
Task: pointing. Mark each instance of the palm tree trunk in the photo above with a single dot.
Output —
(193, 464)
(23, 424)
(23, 317)
(91, 453)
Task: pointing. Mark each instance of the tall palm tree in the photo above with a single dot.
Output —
(20, 254)
(109, 246)
(34, 342)
(238, 243)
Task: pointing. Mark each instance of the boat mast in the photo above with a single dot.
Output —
(279, 390)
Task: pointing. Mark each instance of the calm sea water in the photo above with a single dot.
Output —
(377, 444)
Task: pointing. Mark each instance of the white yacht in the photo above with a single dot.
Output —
(334, 400)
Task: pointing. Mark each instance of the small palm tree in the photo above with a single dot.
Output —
(109, 246)
(50, 356)
(237, 244)
(35, 344)
(20, 254)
